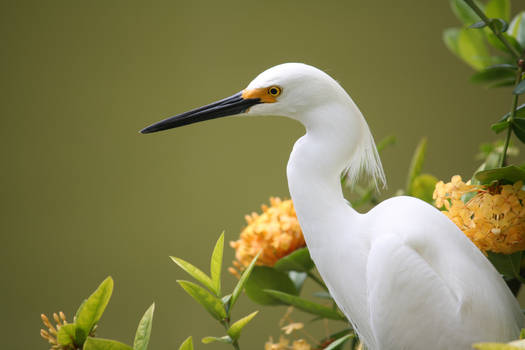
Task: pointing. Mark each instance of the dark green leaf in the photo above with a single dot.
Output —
(224, 339)
(298, 279)
(496, 42)
(520, 113)
(518, 126)
(517, 28)
(264, 277)
(416, 164)
(298, 260)
(498, 9)
(500, 126)
(520, 88)
(477, 25)
(500, 25)
(336, 343)
(423, 187)
(194, 272)
(306, 305)
(91, 311)
(501, 83)
(187, 344)
(509, 173)
(494, 73)
(242, 282)
(144, 330)
(235, 330)
(210, 302)
(522, 333)
(66, 335)
(507, 264)
(104, 344)
(216, 265)
(463, 12)
(450, 38)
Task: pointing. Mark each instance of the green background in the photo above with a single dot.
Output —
(85, 196)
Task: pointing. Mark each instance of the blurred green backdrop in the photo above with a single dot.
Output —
(85, 196)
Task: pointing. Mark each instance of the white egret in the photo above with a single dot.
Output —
(404, 275)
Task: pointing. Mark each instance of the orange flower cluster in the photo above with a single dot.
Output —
(275, 232)
(494, 219)
(284, 344)
(51, 334)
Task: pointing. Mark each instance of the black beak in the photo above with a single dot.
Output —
(229, 106)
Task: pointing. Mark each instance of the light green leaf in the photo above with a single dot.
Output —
(235, 330)
(338, 342)
(498, 9)
(144, 330)
(416, 164)
(522, 333)
(242, 282)
(494, 346)
(463, 12)
(520, 89)
(496, 42)
(306, 305)
(66, 335)
(194, 272)
(104, 344)
(216, 264)
(423, 187)
(506, 264)
(500, 126)
(494, 73)
(187, 344)
(517, 28)
(472, 48)
(298, 260)
(264, 277)
(478, 25)
(450, 38)
(385, 142)
(510, 173)
(210, 302)
(92, 309)
(224, 339)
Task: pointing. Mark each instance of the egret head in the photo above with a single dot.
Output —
(287, 90)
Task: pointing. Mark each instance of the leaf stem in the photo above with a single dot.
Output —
(226, 324)
(496, 31)
(515, 98)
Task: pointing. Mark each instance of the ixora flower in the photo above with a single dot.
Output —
(51, 334)
(284, 344)
(275, 232)
(494, 218)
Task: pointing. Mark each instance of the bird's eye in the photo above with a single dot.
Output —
(274, 91)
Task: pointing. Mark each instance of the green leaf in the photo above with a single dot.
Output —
(242, 282)
(494, 73)
(478, 25)
(210, 302)
(235, 330)
(216, 264)
(501, 83)
(510, 173)
(194, 272)
(264, 277)
(144, 330)
(104, 344)
(520, 89)
(298, 279)
(496, 42)
(522, 333)
(298, 260)
(494, 346)
(463, 12)
(450, 38)
(500, 126)
(187, 344)
(416, 164)
(498, 9)
(518, 126)
(66, 335)
(520, 113)
(423, 187)
(306, 305)
(93, 308)
(224, 339)
(506, 264)
(323, 295)
(338, 342)
(517, 28)
(385, 142)
(472, 48)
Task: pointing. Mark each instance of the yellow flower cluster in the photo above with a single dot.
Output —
(275, 232)
(284, 344)
(51, 334)
(494, 219)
